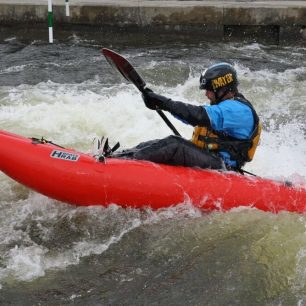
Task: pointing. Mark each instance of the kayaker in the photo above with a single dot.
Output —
(226, 132)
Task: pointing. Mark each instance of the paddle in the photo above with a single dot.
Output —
(130, 74)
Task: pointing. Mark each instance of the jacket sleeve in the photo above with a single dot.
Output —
(192, 114)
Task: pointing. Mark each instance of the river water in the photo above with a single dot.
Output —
(52, 253)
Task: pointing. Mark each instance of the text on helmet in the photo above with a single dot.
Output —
(222, 81)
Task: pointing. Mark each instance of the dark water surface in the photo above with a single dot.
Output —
(57, 254)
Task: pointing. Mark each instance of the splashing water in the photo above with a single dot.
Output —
(178, 255)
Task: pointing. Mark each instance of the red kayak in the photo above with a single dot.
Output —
(80, 179)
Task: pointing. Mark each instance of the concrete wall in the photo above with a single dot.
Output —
(269, 21)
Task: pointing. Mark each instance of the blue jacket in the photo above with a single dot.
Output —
(233, 118)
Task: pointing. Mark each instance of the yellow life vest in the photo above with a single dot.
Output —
(240, 150)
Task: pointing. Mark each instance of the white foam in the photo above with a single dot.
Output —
(73, 114)
(13, 69)
(25, 263)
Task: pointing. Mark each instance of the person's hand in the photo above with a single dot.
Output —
(153, 100)
(148, 99)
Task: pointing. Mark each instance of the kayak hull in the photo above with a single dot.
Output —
(79, 179)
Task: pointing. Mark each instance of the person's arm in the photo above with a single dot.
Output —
(192, 114)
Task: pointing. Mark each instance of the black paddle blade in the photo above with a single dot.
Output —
(124, 67)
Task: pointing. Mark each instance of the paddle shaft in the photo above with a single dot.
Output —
(168, 122)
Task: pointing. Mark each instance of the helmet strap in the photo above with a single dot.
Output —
(220, 97)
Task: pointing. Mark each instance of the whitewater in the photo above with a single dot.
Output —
(68, 93)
